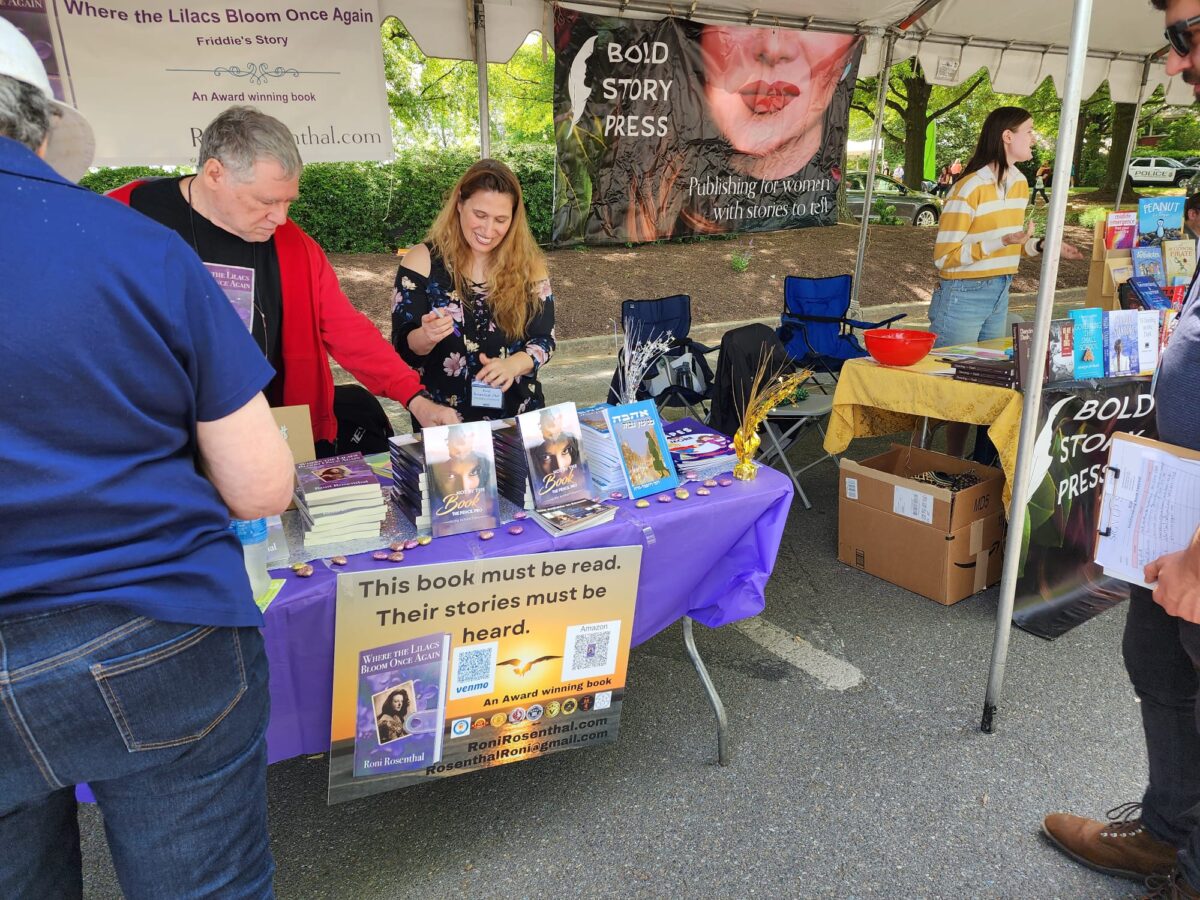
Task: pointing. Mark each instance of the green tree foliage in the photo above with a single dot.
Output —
(434, 102)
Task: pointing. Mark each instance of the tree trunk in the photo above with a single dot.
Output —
(1122, 127)
(916, 123)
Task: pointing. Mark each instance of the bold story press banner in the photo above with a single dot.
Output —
(149, 76)
(671, 127)
(449, 668)
(1059, 586)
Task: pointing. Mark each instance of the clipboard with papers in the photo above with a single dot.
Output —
(1150, 505)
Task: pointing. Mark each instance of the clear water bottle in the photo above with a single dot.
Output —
(252, 533)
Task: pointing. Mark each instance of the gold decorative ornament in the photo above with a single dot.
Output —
(765, 394)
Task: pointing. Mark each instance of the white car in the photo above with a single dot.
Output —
(1159, 170)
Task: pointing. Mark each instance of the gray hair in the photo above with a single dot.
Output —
(25, 112)
(241, 136)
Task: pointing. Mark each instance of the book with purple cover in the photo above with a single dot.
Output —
(238, 284)
(401, 705)
(558, 472)
(460, 464)
(1120, 230)
(335, 479)
(1121, 343)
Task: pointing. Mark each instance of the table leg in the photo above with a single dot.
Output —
(710, 691)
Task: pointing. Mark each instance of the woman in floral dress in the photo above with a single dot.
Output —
(473, 312)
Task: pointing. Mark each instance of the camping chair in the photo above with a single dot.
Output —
(814, 327)
(682, 376)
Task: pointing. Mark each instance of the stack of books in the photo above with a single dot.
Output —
(559, 477)
(699, 451)
(574, 516)
(339, 499)
(601, 452)
(512, 472)
(410, 487)
(996, 372)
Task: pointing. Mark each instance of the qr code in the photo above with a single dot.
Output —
(591, 650)
(474, 670)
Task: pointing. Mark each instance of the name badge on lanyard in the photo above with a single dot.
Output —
(485, 396)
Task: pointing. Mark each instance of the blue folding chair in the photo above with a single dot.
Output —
(682, 376)
(814, 327)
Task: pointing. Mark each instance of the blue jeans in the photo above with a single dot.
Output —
(167, 724)
(1162, 655)
(966, 310)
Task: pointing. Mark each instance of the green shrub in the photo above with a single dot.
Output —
(366, 207)
(1093, 214)
(739, 261)
(885, 211)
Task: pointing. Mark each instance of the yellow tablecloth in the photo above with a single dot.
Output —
(873, 400)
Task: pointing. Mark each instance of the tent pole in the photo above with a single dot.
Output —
(1132, 142)
(889, 47)
(485, 120)
(1055, 216)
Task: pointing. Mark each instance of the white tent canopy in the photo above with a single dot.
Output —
(1020, 42)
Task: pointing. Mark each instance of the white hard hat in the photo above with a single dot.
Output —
(72, 144)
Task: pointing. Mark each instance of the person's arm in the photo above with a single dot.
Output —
(247, 460)
(416, 328)
(353, 340)
(1176, 580)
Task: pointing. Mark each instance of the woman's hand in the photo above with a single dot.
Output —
(1018, 237)
(502, 373)
(434, 327)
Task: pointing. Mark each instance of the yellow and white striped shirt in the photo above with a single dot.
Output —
(974, 220)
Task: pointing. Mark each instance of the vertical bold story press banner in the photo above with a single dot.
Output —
(150, 76)
(670, 127)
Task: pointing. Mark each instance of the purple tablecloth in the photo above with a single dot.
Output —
(705, 557)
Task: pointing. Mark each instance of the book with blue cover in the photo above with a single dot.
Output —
(1088, 336)
(1121, 343)
(401, 705)
(1148, 263)
(460, 465)
(1149, 292)
(642, 448)
(1160, 219)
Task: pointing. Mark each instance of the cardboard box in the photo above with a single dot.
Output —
(945, 546)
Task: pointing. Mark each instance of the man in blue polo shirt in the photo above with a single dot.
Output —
(129, 652)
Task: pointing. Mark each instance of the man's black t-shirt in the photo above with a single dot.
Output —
(163, 201)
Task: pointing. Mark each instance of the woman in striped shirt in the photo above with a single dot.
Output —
(981, 239)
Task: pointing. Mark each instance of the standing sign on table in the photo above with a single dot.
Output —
(673, 127)
(316, 67)
(448, 668)
(1059, 586)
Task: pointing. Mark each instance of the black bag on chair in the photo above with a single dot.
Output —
(742, 349)
(363, 426)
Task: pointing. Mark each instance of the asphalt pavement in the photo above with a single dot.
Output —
(877, 783)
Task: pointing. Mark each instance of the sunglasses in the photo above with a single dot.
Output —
(1179, 35)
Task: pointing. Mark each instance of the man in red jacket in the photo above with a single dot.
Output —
(233, 213)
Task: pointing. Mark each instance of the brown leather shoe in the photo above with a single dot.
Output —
(1169, 887)
(1121, 846)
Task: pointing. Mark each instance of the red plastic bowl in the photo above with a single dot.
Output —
(898, 346)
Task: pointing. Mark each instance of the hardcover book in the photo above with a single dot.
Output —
(1120, 230)
(1089, 343)
(461, 469)
(1160, 219)
(1022, 343)
(558, 472)
(1148, 263)
(401, 705)
(1148, 323)
(1061, 361)
(1121, 343)
(642, 448)
(1179, 261)
(1148, 292)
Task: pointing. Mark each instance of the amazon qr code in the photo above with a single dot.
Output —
(474, 670)
(591, 650)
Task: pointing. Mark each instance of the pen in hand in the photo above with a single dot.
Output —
(437, 311)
